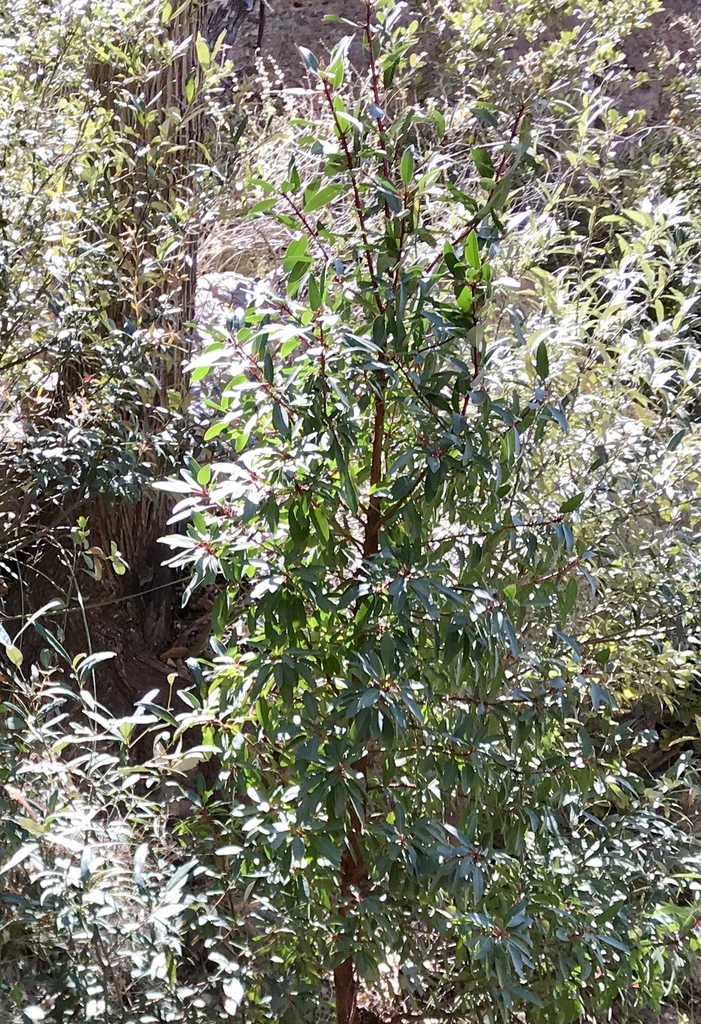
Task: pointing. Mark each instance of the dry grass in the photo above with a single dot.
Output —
(249, 247)
(233, 242)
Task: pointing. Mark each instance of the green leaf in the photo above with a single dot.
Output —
(569, 597)
(18, 857)
(202, 50)
(215, 429)
(322, 197)
(573, 503)
(159, 712)
(262, 206)
(542, 362)
(309, 59)
(12, 652)
(465, 299)
(15, 655)
(289, 346)
(472, 254)
(610, 940)
(321, 522)
(315, 295)
(296, 254)
(169, 13)
(483, 162)
(281, 419)
(87, 665)
(268, 370)
(406, 166)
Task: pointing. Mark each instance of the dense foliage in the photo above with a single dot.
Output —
(439, 499)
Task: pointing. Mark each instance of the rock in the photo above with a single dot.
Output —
(221, 303)
(221, 300)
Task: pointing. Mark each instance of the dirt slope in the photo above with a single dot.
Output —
(293, 23)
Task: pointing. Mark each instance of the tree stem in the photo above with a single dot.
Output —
(373, 521)
(346, 992)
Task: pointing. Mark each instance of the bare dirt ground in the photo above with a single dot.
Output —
(676, 29)
(294, 23)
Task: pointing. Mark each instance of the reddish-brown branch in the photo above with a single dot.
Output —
(498, 174)
(373, 521)
(357, 199)
(354, 875)
(354, 869)
(399, 505)
(376, 96)
(309, 228)
(346, 989)
(551, 575)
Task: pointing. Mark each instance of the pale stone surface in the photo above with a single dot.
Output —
(221, 300)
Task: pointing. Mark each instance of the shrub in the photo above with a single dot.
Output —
(426, 777)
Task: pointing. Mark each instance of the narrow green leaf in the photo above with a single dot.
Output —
(573, 503)
(309, 59)
(202, 50)
(542, 363)
(472, 252)
(483, 162)
(406, 165)
(322, 197)
(321, 523)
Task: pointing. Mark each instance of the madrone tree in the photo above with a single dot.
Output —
(418, 790)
